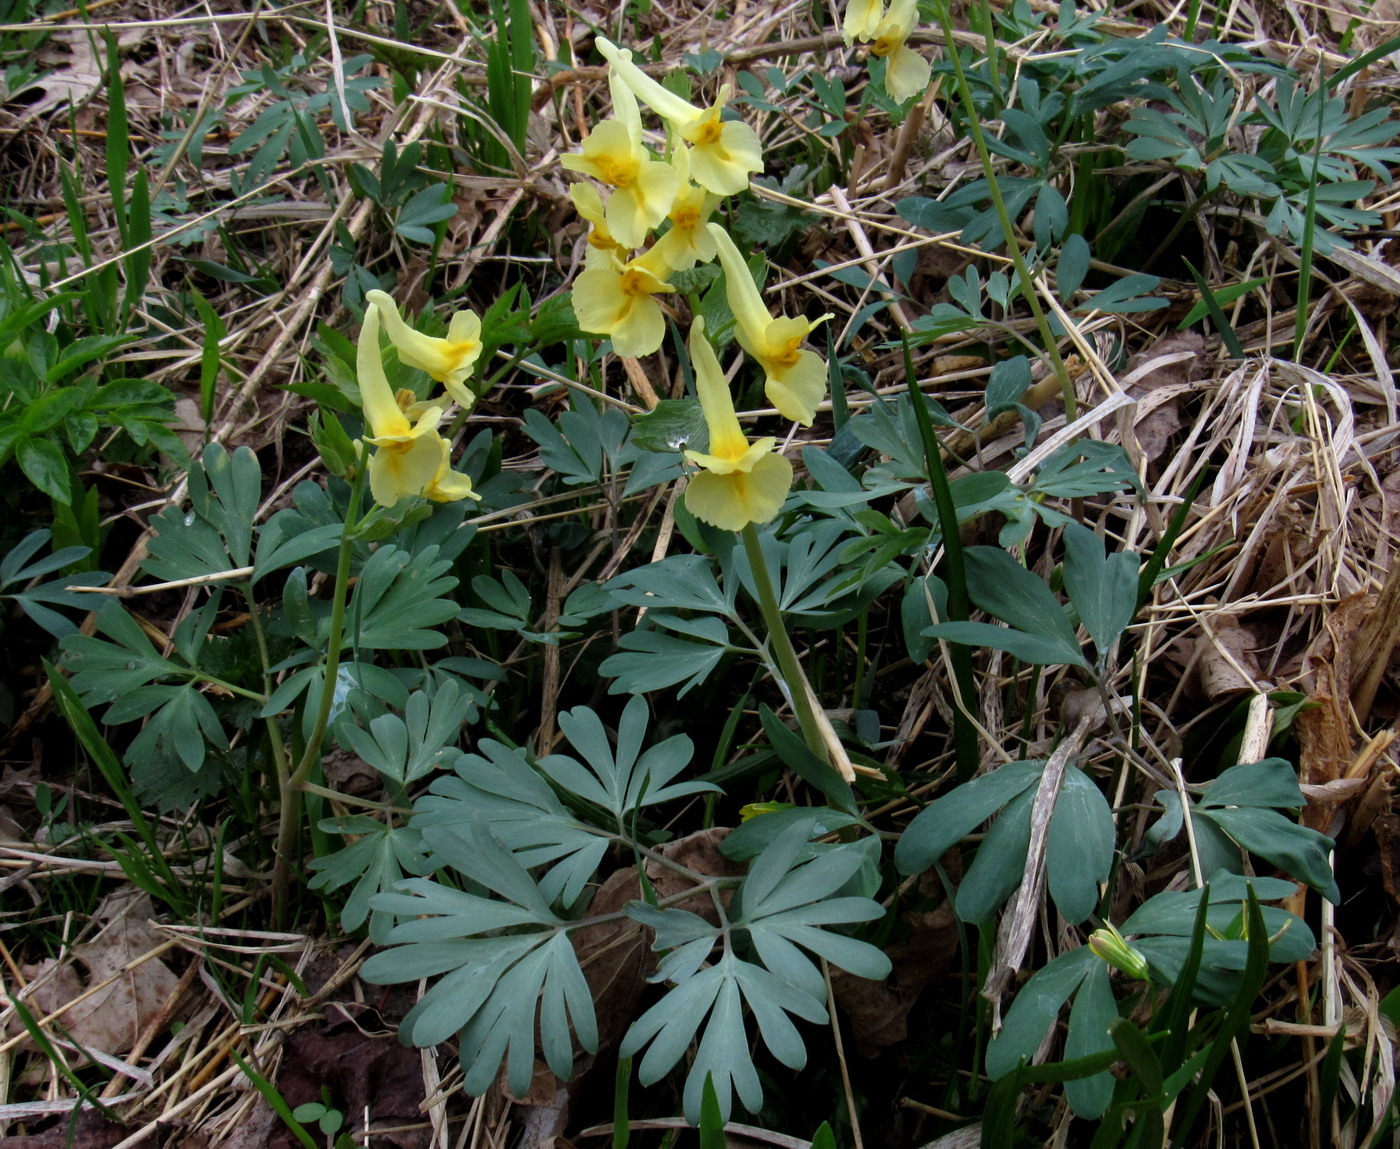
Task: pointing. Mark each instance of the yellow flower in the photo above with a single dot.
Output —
(862, 20)
(906, 72)
(796, 379)
(723, 153)
(408, 455)
(448, 485)
(687, 243)
(616, 301)
(603, 249)
(449, 361)
(613, 154)
(742, 482)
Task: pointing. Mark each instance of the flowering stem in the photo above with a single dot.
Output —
(794, 680)
(289, 816)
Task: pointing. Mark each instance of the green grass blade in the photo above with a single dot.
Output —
(118, 136)
(1176, 1017)
(1235, 1021)
(711, 1120)
(1308, 239)
(107, 763)
(41, 1039)
(964, 733)
(138, 244)
(209, 359)
(1217, 313)
(1162, 551)
(1328, 1080)
(276, 1101)
(622, 1081)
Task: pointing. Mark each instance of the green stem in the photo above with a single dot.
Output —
(794, 680)
(1023, 274)
(989, 34)
(281, 764)
(242, 692)
(289, 817)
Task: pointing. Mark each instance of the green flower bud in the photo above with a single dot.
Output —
(1110, 945)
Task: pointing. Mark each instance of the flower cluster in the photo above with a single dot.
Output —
(887, 32)
(655, 222)
(707, 158)
(410, 457)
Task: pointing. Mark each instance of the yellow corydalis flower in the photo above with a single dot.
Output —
(862, 20)
(449, 361)
(408, 455)
(795, 379)
(613, 154)
(723, 153)
(906, 72)
(447, 485)
(603, 249)
(687, 243)
(617, 300)
(741, 482)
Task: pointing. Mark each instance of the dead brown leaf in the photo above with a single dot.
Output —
(1325, 729)
(1225, 659)
(879, 1011)
(112, 1019)
(1158, 378)
(368, 1078)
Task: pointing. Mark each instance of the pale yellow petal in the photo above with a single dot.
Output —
(448, 486)
(401, 470)
(428, 417)
(661, 100)
(641, 204)
(739, 288)
(731, 502)
(727, 439)
(588, 203)
(723, 154)
(449, 361)
(609, 155)
(617, 304)
(862, 20)
(906, 74)
(687, 242)
(902, 16)
(643, 332)
(749, 457)
(795, 391)
(381, 410)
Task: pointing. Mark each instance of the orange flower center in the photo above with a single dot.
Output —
(634, 283)
(686, 218)
(787, 357)
(616, 173)
(709, 132)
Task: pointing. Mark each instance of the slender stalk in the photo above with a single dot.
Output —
(241, 691)
(794, 680)
(1023, 273)
(289, 816)
(281, 763)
